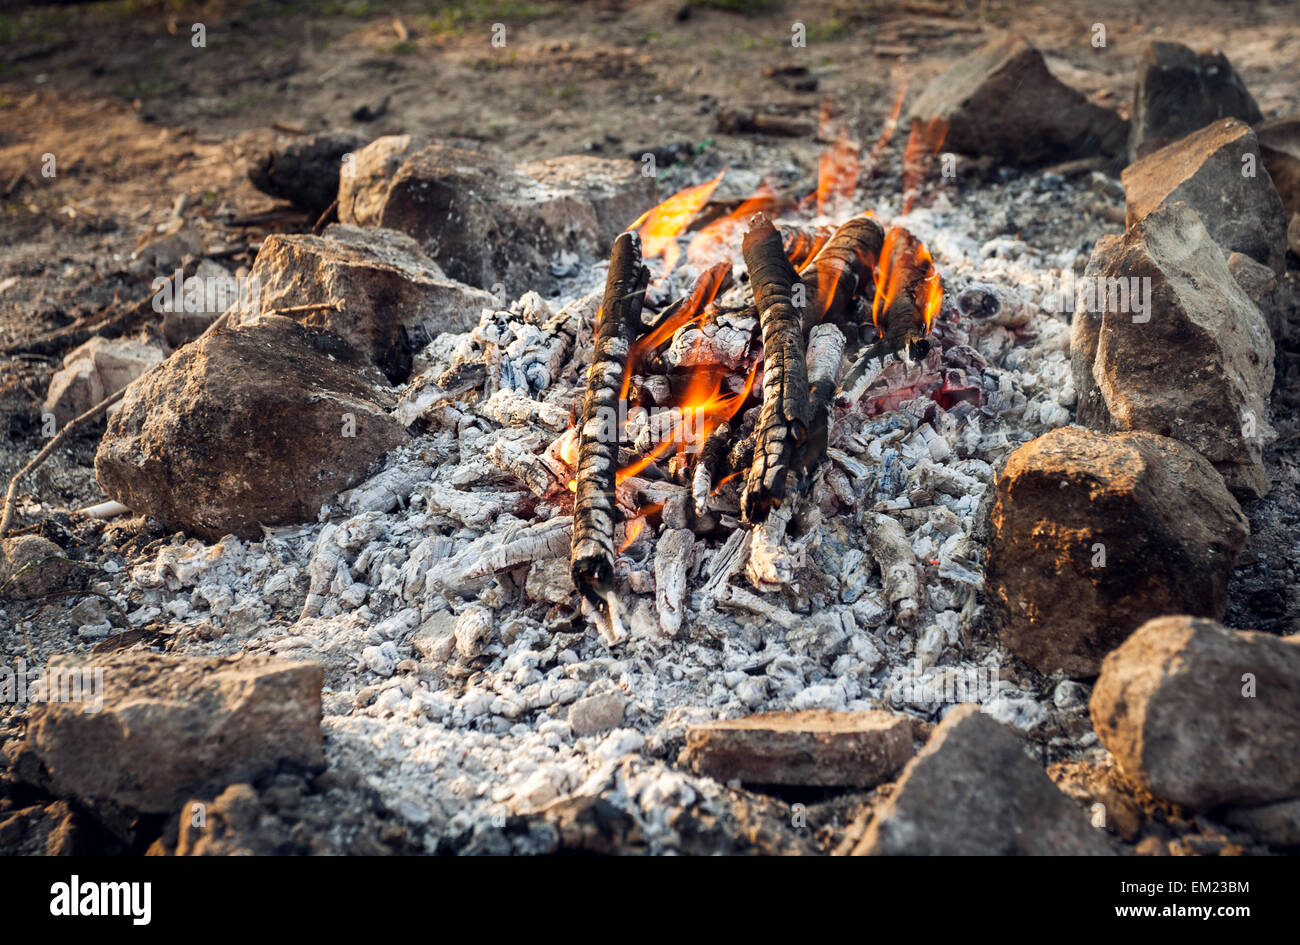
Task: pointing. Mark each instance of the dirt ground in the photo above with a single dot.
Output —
(141, 123)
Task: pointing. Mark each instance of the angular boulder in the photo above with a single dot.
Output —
(812, 748)
(305, 173)
(93, 370)
(1093, 534)
(168, 726)
(1202, 715)
(1219, 173)
(486, 221)
(394, 297)
(1196, 364)
(1002, 101)
(1180, 90)
(258, 425)
(973, 791)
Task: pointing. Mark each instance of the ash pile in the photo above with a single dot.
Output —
(583, 547)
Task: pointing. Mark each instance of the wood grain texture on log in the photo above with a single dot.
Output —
(784, 417)
(842, 272)
(594, 511)
(708, 465)
(825, 353)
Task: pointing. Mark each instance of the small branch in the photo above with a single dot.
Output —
(591, 560)
(12, 494)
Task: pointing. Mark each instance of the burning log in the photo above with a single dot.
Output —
(592, 552)
(825, 352)
(784, 417)
(842, 271)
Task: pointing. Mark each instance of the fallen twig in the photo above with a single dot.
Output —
(12, 493)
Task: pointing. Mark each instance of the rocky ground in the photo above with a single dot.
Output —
(408, 653)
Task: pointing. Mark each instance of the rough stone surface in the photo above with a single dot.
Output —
(255, 426)
(814, 747)
(1279, 146)
(1002, 101)
(171, 725)
(214, 289)
(95, 369)
(1203, 715)
(305, 173)
(1091, 535)
(1277, 824)
(1209, 171)
(1180, 90)
(1260, 284)
(17, 553)
(396, 298)
(1200, 327)
(972, 791)
(486, 221)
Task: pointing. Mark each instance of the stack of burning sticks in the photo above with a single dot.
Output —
(758, 412)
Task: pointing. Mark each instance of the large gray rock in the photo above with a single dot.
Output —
(972, 791)
(1002, 101)
(1219, 173)
(486, 221)
(1202, 715)
(1090, 535)
(813, 747)
(169, 726)
(1179, 91)
(1197, 365)
(395, 298)
(258, 425)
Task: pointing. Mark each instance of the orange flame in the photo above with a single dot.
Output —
(837, 174)
(887, 132)
(923, 144)
(902, 258)
(632, 530)
(662, 224)
(706, 290)
(710, 244)
(802, 246)
(704, 407)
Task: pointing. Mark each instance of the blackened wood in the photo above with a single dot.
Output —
(825, 354)
(783, 418)
(709, 464)
(842, 272)
(591, 562)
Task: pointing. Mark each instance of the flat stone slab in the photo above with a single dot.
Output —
(814, 747)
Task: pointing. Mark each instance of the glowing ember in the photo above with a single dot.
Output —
(660, 226)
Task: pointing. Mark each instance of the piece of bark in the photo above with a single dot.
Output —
(592, 553)
(784, 416)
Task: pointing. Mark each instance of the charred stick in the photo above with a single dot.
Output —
(712, 456)
(784, 416)
(591, 560)
(825, 352)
